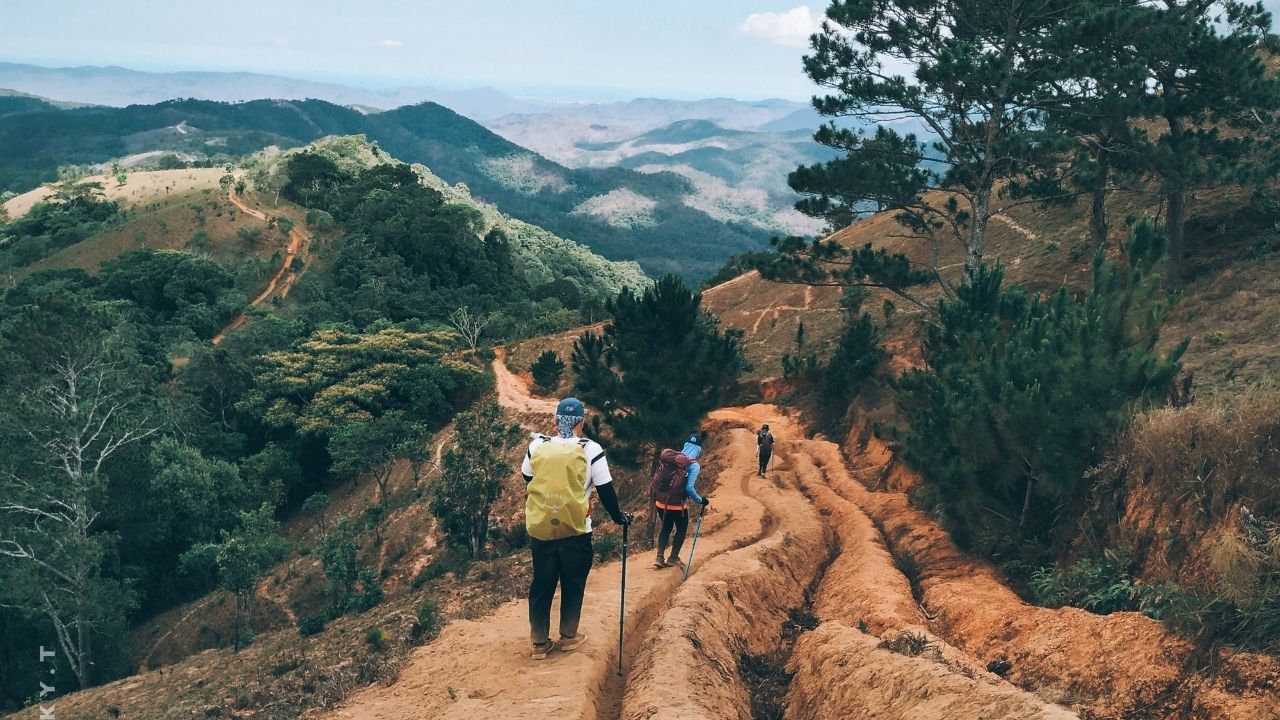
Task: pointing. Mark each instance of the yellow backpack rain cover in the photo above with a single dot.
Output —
(557, 506)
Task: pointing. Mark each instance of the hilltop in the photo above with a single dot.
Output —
(1228, 306)
(580, 204)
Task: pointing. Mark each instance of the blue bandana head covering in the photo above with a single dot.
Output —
(566, 423)
(569, 413)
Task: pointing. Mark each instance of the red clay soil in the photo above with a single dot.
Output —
(1123, 665)
(737, 604)
(482, 669)
(513, 391)
(283, 279)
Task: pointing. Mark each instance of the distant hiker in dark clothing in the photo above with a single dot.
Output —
(764, 443)
(673, 483)
(560, 472)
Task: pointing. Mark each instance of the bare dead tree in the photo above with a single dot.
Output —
(70, 426)
(470, 326)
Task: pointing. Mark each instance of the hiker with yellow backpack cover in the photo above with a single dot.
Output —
(560, 473)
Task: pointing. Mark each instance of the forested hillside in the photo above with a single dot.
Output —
(37, 140)
(136, 454)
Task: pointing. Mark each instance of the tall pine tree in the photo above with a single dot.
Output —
(968, 74)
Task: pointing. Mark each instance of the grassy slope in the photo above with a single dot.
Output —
(1230, 306)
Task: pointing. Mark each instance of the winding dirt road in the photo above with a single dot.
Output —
(283, 279)
(798, 568)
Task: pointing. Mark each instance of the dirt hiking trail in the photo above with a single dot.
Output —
(796, 607)
(283, 279)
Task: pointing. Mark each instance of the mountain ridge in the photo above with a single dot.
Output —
(460, 150)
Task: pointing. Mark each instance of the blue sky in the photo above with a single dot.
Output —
(587, 49)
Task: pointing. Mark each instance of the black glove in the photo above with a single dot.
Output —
(706, 503)
(626, 519)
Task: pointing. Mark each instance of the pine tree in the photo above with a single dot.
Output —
(1020, 395)
(546, 370)
(851, 369)
(660, 365)
(975, 87)
(1207, 78)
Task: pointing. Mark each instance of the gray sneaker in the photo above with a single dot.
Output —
(567, 644)
(540, 651)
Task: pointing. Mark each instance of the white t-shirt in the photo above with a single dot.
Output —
(597, 465)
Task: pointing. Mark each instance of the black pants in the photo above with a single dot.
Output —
(764, 460)
(566, 563)
(679, 519)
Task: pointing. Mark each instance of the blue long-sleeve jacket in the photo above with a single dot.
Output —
(691, 479)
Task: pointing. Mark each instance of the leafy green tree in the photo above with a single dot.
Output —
(243, 557)
(1020, 395)
(474, 468)
(351, 585)
(317, 506)
(340, 559)
(193, 497)
(336, 377)
(547, 370)
(660, 365)
(372, 447)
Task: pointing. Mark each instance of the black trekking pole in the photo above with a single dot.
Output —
(697, 528)
(622, 607)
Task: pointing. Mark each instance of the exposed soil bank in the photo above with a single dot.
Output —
(735, 606)
(1123, 665)
(841, 670)
(841, 673)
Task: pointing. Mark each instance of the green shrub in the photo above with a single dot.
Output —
(607, 546)
(377, 638)
(312, 624)
(1101, 586)
(1214, 338)
(906, 643)
(427, 619)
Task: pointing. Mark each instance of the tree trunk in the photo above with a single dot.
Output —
(83, 649)
(235, 639)
(1026, 507)
(1177, 207)
(975, 248)
(1176, 229)
(1098, 210)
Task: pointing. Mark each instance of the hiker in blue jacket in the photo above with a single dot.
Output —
(673, 507)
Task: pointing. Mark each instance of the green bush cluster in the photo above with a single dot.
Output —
(1020, 395)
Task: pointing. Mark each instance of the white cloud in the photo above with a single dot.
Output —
(390, 43)
(789, 29)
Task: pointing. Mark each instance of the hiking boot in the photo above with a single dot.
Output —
(570, 643)
(660, 563)
(675, 561)
(541, 650)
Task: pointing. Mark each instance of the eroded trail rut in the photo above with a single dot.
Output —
(811, 537)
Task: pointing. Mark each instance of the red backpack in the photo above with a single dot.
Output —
(667, 485)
